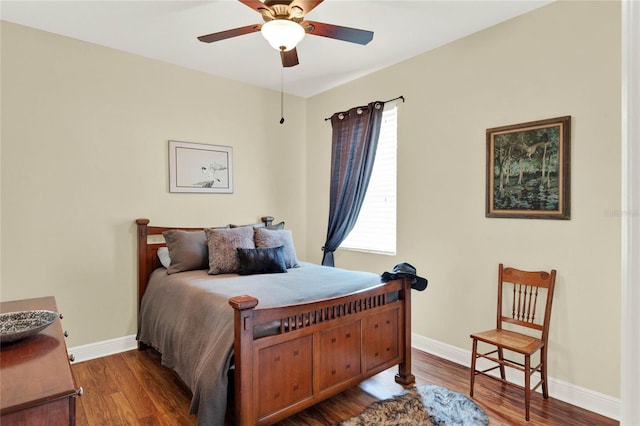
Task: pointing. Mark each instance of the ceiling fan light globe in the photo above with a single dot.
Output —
(282, 34)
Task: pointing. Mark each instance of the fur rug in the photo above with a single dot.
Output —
(422, 405)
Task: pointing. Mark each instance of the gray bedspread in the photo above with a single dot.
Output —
(187, 318)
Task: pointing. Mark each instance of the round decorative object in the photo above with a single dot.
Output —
(18, 325)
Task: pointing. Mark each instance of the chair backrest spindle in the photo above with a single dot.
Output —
(535, 303)
(526, 288)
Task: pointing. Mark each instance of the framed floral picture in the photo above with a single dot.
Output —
(196, 167)
(528, 170)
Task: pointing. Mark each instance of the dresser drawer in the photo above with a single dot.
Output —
(58, 412)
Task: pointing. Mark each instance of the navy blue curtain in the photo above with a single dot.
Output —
(353, 152)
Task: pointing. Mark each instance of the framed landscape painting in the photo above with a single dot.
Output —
(528, 170)
(196, 167)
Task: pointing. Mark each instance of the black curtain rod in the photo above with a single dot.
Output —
(390, 100)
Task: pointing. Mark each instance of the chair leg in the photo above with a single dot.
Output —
(501, 358)
(473, 366)
(543, 372)
(527, 385)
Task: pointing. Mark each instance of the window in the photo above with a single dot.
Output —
(375, 229)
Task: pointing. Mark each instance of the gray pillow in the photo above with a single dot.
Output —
(261, 225)
(266, 260)
(273, 238)
(187, 250)
(276, 226)
(222, 243)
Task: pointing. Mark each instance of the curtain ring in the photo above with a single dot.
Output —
(341, 116)
(377, 105)
(359, 110)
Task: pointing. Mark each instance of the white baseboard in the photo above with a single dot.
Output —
(584, 398)
(104, 348)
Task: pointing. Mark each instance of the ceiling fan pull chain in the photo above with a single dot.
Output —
(281, 95)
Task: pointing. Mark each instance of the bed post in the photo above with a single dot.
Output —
(143, 273)
(143, 266)
(404, 376)
(244, 406)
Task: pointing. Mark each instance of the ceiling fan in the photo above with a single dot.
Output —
(284, 26)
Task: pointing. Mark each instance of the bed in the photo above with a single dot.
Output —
(272, 344)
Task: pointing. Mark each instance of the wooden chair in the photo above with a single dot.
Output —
(522, 329)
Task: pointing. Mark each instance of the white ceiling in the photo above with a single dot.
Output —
(167, 31)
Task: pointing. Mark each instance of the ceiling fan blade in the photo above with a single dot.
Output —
(289, 57)
(351, 35)
(253, 4)
(222, 35)
(306, 5)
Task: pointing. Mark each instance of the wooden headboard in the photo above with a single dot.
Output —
(148, 250)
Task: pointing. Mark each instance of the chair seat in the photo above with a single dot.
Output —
(517, 342)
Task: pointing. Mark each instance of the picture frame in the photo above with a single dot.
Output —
(200, 168)
(528, 170)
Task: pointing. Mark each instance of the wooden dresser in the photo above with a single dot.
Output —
(36, 383)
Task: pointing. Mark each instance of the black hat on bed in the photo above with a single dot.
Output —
(406, 270)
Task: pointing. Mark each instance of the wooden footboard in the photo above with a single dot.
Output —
(308, 352)
(321, 348)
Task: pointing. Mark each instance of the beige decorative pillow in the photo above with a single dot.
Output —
(222, 243)
(265, 237)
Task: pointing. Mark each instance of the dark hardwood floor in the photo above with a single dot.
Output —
(132, 388)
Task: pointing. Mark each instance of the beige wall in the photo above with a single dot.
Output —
(84, 152)
(563, 59)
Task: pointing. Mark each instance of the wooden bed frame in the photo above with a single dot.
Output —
(322, 347)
